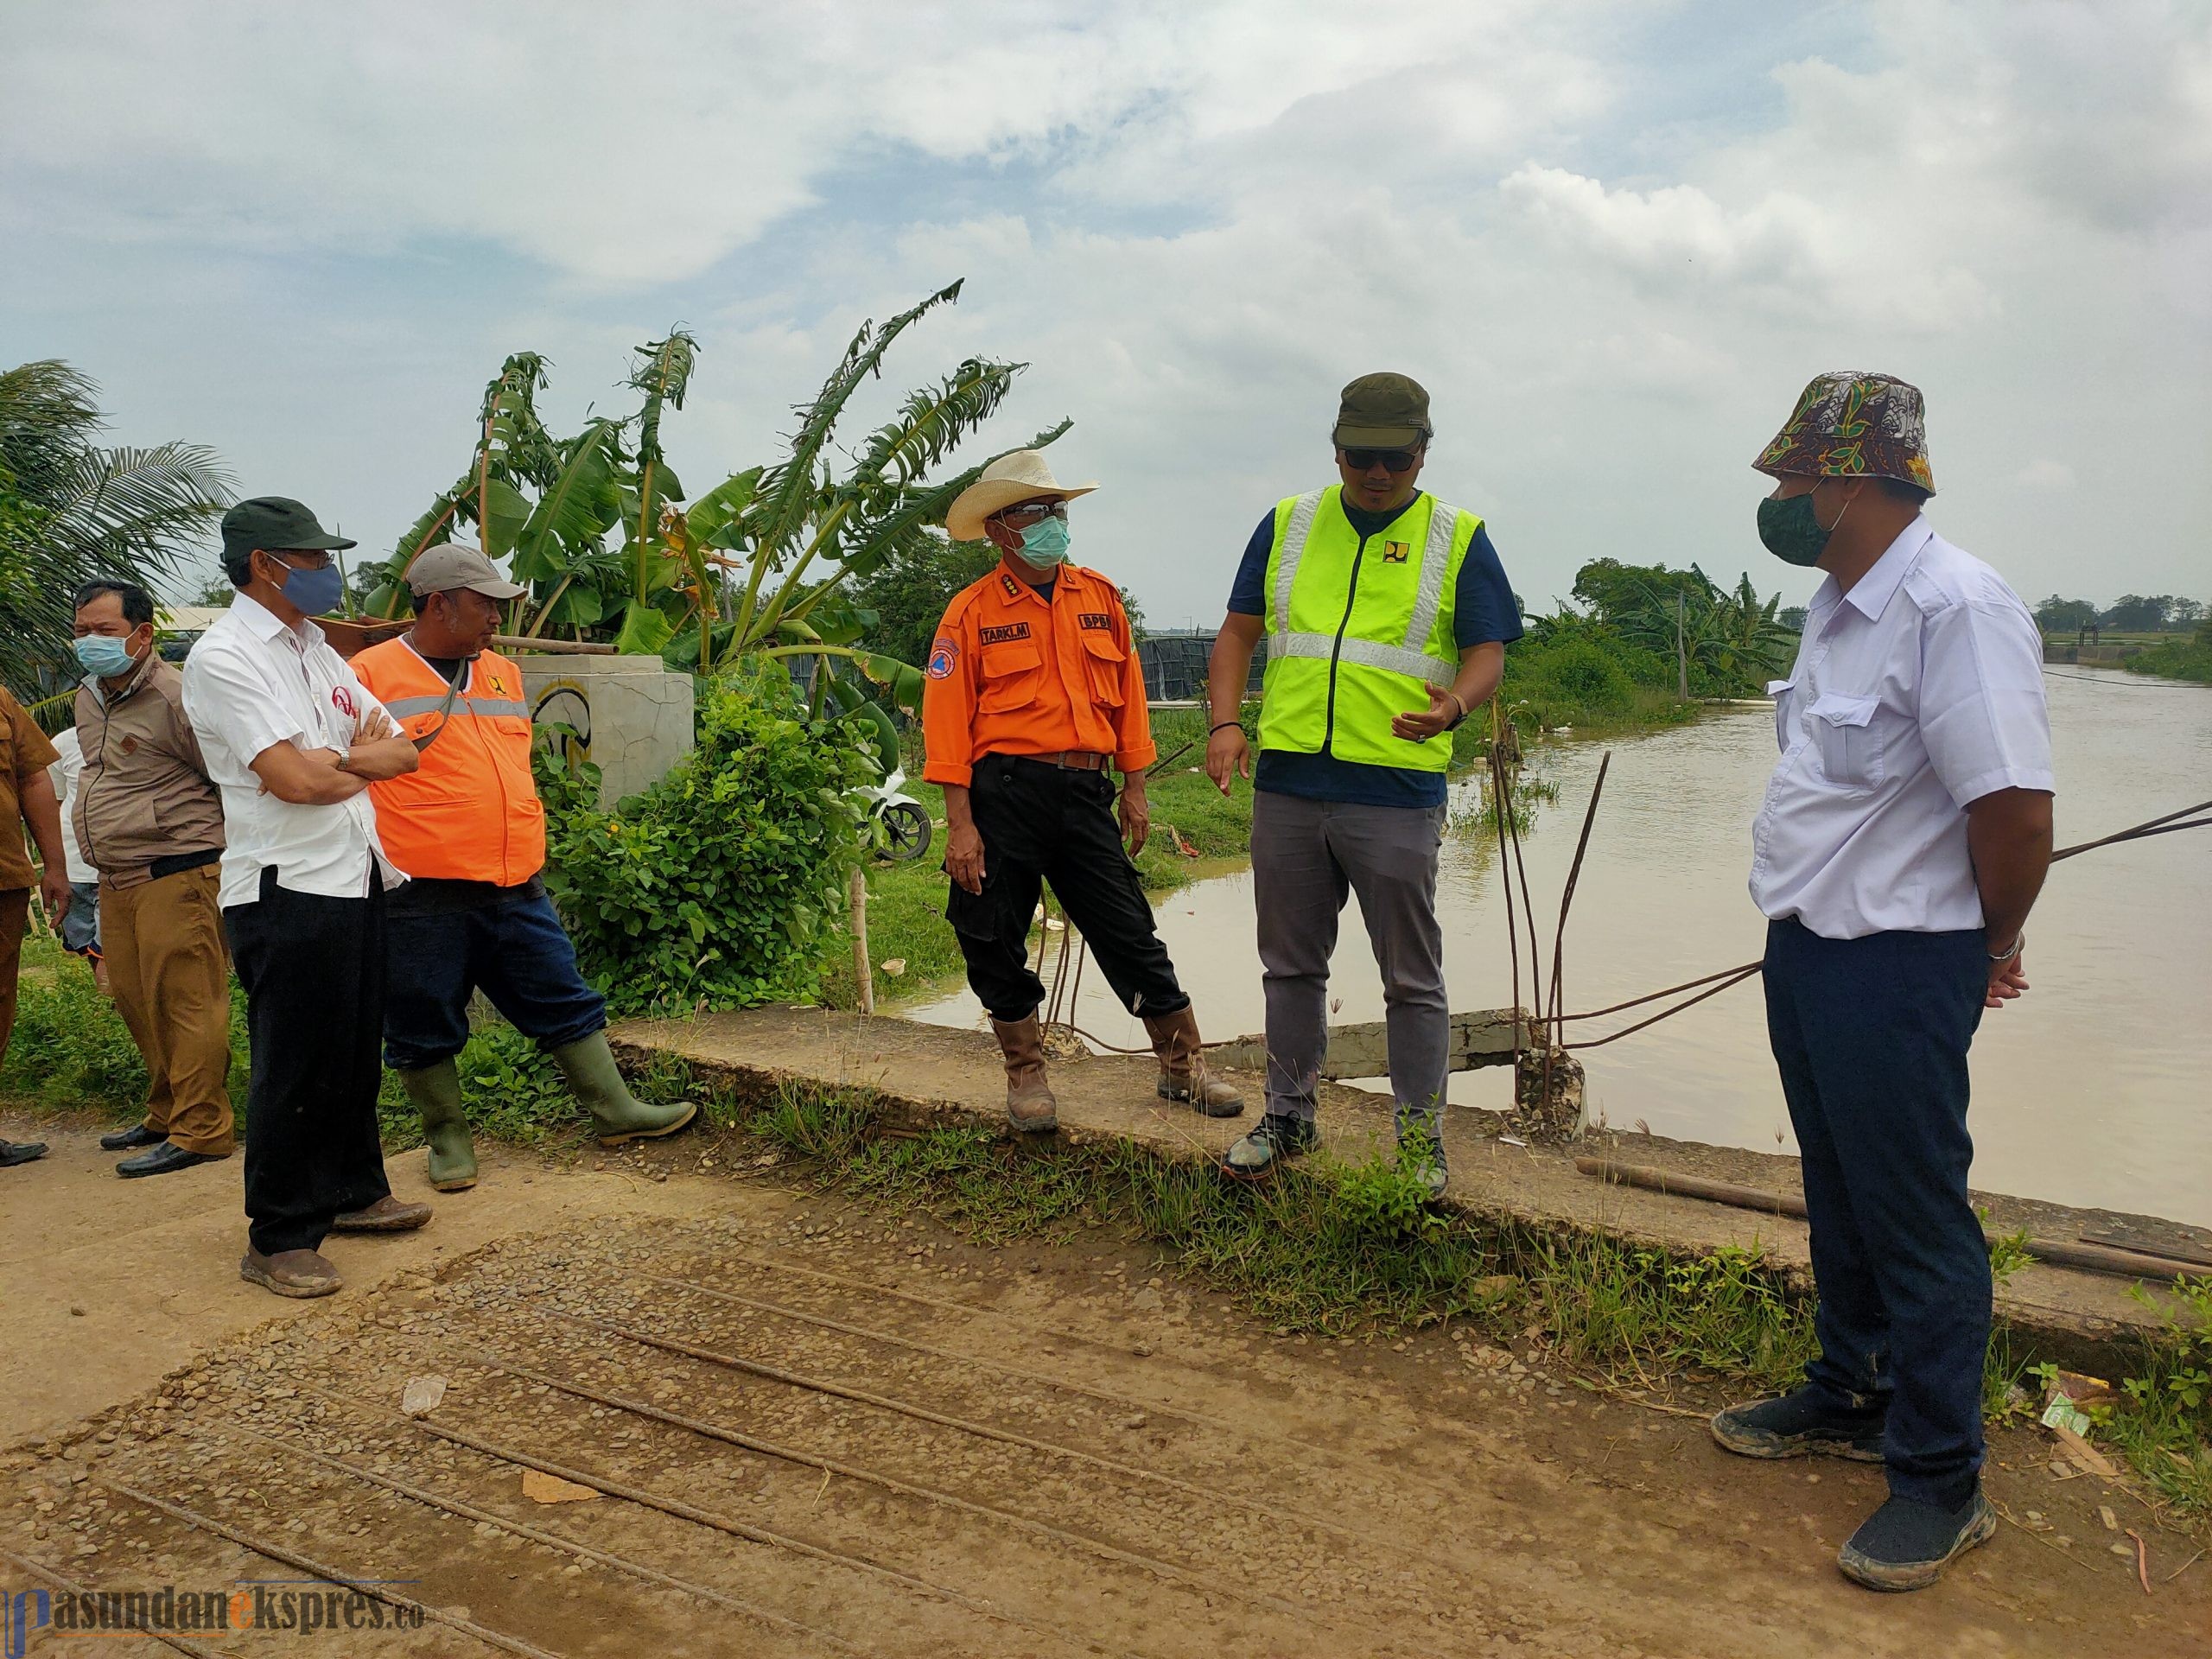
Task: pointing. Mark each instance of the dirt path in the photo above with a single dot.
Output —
(819, 1430)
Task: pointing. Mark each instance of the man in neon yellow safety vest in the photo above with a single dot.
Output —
(1387, 617)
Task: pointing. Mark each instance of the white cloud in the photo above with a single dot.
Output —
(1614, 240)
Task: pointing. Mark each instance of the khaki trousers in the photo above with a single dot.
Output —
(170, 975)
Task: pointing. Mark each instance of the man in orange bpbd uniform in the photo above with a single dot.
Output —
(1032, 691)
(466, 826)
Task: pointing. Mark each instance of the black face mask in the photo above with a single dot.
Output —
(1792, 532)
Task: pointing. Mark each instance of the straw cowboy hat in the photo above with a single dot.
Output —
(1017, 475)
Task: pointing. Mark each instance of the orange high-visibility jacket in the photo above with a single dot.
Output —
(470, 812)
(1010, 672)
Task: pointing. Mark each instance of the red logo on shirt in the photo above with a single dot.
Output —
(342, 700)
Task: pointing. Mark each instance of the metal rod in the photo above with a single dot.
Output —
(567, 1546)
(1740, 975)
(683, 1511)
(1557, 1029)
(980, 1431)
(1125, 1401)
(331, 1575)
(1204, 1583)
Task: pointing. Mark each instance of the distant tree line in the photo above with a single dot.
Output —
(2130, 613)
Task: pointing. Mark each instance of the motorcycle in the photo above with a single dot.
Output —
(905, 821)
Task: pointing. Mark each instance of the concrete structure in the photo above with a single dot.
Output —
(629, 716)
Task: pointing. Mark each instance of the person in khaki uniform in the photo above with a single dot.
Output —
(147, 816)
(26, 795)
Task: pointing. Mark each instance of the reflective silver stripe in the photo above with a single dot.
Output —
(401, 708)
(1435, 560)
(1398, 659)
(1294, 550)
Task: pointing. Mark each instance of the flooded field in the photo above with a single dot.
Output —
(2091, 1090)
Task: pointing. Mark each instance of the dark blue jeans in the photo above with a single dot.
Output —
(1871, 1036)
(514, 950)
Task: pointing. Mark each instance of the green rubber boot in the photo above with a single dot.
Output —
(436, 1090)
(597, 1083)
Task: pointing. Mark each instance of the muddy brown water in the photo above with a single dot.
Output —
(2092, 1091)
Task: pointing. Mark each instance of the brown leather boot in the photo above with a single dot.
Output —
(1029, 1103)
(1183, 1066)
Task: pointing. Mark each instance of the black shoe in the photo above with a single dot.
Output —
(160, 1160)
(1906, 1544)
(20, 1152)
(1800, 1425)
(131, 1139)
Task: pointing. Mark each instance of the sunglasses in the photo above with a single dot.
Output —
(1398, 461)
(1033, 512)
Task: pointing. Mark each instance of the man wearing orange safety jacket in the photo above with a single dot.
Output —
(1032, 691)
(468, 829)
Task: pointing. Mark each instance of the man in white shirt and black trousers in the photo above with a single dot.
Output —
(293, 741)
(1905, 833)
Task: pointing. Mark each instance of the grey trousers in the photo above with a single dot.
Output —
(1306, 857)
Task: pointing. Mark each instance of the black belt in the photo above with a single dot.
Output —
(175, 863)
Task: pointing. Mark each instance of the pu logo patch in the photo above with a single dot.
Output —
(1395, 552)
(342, 700)
(1005, 631)
(943, 654)
(1097, 620)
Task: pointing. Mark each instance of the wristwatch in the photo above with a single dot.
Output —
(1996, 957)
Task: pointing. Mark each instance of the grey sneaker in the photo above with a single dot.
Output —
(1277, 1136)
(1421, 1155)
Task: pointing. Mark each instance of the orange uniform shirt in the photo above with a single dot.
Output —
(1011, 673)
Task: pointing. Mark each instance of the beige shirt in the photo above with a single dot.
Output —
(144, 792)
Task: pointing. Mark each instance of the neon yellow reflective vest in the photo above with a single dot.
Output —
(1358, 631)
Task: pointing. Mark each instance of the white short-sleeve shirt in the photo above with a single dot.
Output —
(65, 772)
(1914, 696)
(250, 683)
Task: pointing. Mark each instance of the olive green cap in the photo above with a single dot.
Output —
(1382, 411)
(275, 523)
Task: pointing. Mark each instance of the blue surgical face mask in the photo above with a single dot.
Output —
(105, 655)
(316, 592)
(1045, 544)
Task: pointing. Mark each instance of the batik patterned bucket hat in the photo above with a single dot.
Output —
(1855, 425)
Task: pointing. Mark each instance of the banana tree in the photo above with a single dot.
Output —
(762, 565)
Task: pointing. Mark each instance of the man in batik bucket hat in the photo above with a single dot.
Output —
(1904, 835)
(1854, 425)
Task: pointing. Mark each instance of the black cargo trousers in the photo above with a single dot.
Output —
(1042, 822)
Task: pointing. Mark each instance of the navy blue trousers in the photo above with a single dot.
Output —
(1871, 1036)
(514, 950)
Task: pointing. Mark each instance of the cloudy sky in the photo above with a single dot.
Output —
(1612, 239)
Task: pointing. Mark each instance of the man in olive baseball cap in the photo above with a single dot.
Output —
(1387, 616)
(271, 523)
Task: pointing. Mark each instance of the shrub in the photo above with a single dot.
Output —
(712, 887)
(1581, 672)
